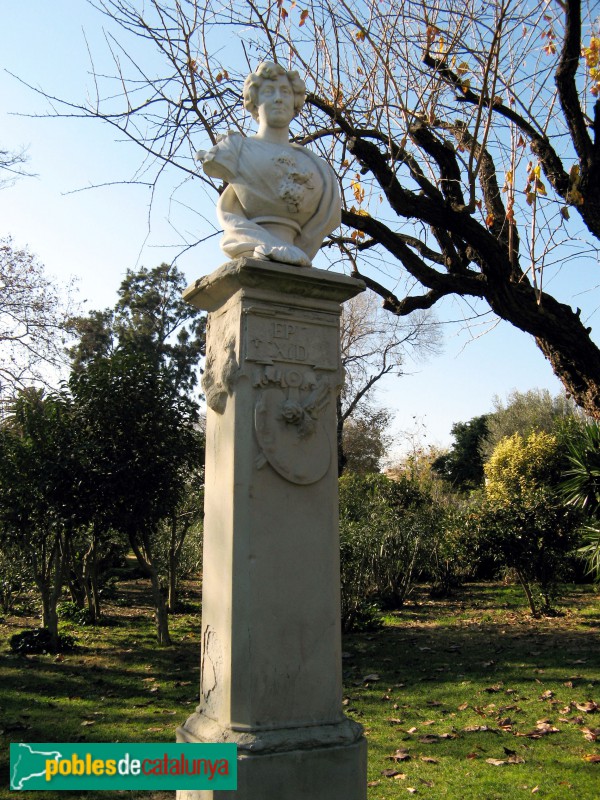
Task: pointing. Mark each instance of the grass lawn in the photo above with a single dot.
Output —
(463, 699)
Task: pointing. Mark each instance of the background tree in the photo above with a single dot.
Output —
(366, 439)
(142, 353)
(36, 485)
(462, 465)
(33, 322)
(149, 317)
(525, 412)
(12, 166)
(373, 345)
(144, 442)
(465, 135)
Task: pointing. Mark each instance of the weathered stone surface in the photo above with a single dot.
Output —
(271, 649)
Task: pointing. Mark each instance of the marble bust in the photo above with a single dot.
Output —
(281, 199)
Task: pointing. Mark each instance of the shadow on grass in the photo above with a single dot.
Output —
(479, 651)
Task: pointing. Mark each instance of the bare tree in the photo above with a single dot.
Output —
(33, 322)
(466, 136)
(375, 344)
(12, 166)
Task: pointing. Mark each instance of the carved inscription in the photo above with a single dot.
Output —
(287, 340)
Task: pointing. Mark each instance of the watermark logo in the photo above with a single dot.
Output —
(85, 766)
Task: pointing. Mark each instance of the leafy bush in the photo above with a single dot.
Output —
(15, 576)
(533, 536)
(69, 610)
(40, 641)
(385, 530)
(457, 550)
(359, 611)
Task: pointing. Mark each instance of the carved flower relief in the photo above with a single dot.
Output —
(294, 182)
(294, 413)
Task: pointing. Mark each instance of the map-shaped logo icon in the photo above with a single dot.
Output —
(29, 764)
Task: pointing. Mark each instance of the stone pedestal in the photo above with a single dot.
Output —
(271, 645)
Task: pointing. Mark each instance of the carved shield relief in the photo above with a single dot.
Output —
(295, 377)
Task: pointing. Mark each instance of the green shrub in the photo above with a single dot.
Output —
(386, 527)
(68, 610)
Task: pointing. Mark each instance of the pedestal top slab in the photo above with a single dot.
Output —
(211, 291)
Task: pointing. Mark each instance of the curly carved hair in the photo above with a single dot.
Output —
(270, 71)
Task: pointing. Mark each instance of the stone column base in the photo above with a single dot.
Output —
(267, 770)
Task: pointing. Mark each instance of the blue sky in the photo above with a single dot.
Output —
(97, 234)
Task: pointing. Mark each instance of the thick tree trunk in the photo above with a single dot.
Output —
(174, 553)
(161, 613)
(49, 614)
(75, 577)
(560, 335)
(90, 572)
(528, 593)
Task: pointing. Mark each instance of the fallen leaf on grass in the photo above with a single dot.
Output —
(479, 729)
(591, 734)
(429, 739)
(588, 708)
(87, 722)
(493, 689)
(394, 721)
(592, 758)
(372, 677)
(472, 755)
(547, 695)
(390, 773)
(463, 707)
(412, 730)
(373, 783)
(400, 755)
(428, 760)
(542, 729)
(498, 762)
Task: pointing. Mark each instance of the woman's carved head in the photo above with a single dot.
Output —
(269, 71)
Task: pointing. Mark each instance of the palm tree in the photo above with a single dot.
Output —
(581, 488)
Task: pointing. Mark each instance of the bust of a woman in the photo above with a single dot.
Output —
(281, 199)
